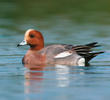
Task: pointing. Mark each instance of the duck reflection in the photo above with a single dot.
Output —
(62, 75)
(48, 78)
(35, 77)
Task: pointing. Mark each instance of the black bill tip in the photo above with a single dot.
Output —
(18, 45)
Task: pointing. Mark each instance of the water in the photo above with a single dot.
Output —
(71, 22)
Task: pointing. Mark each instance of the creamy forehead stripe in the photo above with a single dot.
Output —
(27, 32)
(63, 54)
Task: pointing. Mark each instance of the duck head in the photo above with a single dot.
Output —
(34, 39)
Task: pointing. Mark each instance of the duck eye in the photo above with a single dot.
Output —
(31, 35)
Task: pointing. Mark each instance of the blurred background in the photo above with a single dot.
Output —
(60, 21)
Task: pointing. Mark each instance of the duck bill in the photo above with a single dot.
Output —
(22, 43)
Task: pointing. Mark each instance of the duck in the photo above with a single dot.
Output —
(61, 54)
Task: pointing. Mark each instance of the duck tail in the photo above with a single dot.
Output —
(91, 55)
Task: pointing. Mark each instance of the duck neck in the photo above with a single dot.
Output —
(36, 47)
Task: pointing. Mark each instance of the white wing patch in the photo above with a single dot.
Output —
(63, 54)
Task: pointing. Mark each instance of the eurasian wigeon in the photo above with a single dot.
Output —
(61, 54)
